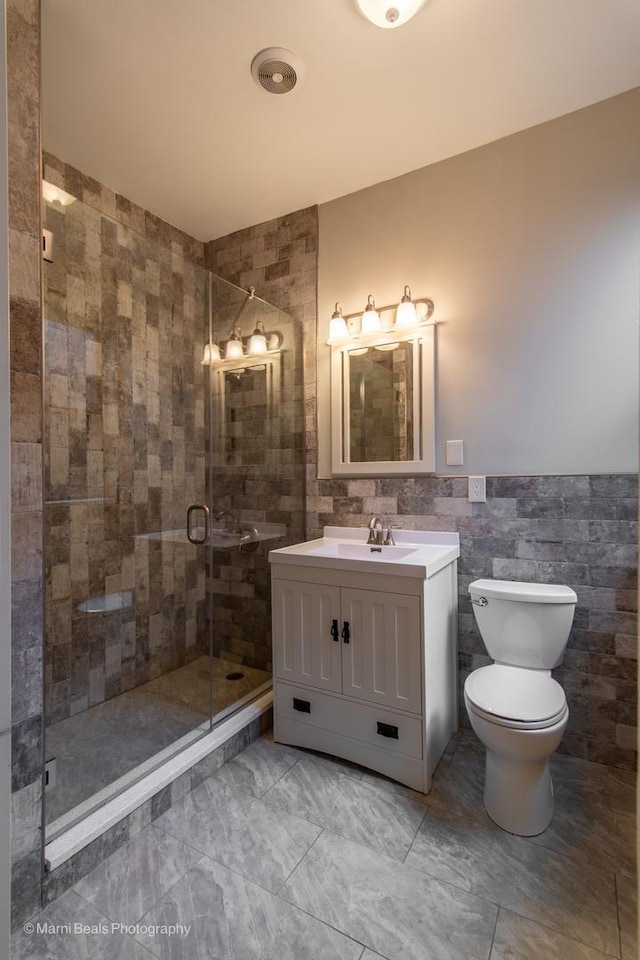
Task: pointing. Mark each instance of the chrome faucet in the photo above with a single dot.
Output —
(375, 531)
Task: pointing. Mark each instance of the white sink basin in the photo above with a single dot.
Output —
(417, 553)
(361, 551)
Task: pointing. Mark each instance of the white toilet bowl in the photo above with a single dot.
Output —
(516, 708)
(518, 792)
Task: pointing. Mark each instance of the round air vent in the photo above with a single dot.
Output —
(276, 70)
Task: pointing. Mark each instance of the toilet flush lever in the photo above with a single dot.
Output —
(480, 601)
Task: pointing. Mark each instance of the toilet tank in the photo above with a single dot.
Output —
(523, 624)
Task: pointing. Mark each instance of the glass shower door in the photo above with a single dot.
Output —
(127, 645)
(256, 475)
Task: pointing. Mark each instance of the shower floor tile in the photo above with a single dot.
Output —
(101, 744)
(249, 880)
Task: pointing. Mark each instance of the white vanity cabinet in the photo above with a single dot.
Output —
(365, 661)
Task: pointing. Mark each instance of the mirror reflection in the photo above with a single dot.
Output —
(381, 403)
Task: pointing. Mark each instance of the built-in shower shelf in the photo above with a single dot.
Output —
(221, 539)
(108, 602)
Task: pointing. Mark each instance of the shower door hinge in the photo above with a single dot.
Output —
(50, 774)
(47, 246)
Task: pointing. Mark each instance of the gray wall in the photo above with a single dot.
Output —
(529, 248)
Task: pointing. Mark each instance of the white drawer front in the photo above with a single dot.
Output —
(372, 725)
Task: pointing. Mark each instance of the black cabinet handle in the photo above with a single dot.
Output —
(387, 730)
(334, 631)
(304, 706)
(346, 636)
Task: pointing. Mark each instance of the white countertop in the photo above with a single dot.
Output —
(416, 553)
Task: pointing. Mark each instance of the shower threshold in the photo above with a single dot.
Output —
(70, 839)
(100, 751)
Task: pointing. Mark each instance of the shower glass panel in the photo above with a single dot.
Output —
(149, 638)
(125, 455)
(256, 478)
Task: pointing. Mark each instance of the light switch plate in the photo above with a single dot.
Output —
(455, 453)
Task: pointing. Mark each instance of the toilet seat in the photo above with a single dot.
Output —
(516, 697)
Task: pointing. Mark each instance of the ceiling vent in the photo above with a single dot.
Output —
(276, 70)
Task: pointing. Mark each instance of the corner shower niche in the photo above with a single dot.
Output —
(143, 628)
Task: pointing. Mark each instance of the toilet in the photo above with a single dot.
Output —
(516, 708)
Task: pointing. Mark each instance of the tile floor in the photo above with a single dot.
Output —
(289, 855)
(95, 747)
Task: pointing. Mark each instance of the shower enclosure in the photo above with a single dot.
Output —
(156, 627)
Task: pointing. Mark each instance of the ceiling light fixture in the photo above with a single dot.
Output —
(389, 13)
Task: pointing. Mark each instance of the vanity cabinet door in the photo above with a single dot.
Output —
(306, 643)
(382, 661)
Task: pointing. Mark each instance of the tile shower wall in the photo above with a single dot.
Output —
(259, 474)
(125, 318)
(23, 81)
(581, 531)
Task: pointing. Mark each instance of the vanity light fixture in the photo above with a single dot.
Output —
(370, 322)
(259, 344)
(234, 349)
(389, 13)
(406, 316)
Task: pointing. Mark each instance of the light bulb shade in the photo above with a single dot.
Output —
(211, 354)
(370, 318)
(370, 322)
(389, 13)
(406, 315)
(257, 343)
(234, 350)
(53, 194)
(338, 329)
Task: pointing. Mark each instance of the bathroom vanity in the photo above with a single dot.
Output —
(365, 649)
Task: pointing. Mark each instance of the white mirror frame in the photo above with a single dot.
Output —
(423, 402)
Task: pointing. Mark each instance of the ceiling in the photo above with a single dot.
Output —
(155, 99)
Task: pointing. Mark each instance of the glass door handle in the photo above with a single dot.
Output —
(207, 523)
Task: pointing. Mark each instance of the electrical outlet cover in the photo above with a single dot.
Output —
(477, 489)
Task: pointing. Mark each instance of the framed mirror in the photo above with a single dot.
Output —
(383, 404)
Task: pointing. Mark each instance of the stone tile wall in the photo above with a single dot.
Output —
(580, 531)
(23, 70)
(126, 315)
